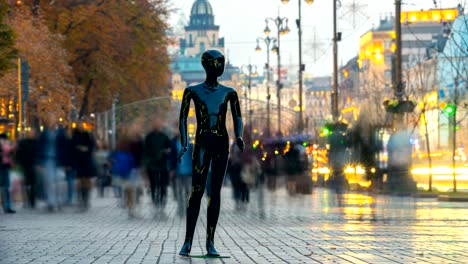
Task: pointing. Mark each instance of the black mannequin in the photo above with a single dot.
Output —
(211, 143)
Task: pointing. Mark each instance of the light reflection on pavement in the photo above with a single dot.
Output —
(274, 227)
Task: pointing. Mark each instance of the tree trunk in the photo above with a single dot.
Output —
(84, 102)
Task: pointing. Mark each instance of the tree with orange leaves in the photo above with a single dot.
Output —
(51, 80)
(117, 47)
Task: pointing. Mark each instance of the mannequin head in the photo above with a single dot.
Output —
(213, 63)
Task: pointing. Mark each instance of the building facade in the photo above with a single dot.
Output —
(199, 35)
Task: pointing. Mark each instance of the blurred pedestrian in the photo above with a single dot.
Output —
(136, 147)
(235, 169)
(47, 163)
(122, 167)
(64, 164)
(173, 161)
(104, 177)
(183, 178)
(26, 158)
(83, 160)
(156, 148)
(6, 163)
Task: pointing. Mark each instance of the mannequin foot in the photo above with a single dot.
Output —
(210, 249)
(185, 251)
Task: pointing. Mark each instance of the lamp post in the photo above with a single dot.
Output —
(282, 29)
(251, 71)
(267, 41)
(336, 38)
(300, 125)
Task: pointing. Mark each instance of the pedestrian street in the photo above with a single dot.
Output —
(274, 227)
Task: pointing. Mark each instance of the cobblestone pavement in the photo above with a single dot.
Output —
(274, 227)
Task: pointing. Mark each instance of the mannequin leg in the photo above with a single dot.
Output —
(218, 170)
(201, 163)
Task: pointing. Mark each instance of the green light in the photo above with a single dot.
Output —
(449, 109)
(304, 144)
(254, 146)
(326, 131)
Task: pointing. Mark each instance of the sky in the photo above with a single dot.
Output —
(242, 22)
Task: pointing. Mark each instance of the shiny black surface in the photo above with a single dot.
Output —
(211, 100)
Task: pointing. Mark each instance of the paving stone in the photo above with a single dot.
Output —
(284, 229)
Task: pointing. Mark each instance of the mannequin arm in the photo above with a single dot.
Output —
(184, 110)
(237, 119)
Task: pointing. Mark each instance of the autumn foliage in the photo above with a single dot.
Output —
(51, 81)
(7, 40)
(93, 50)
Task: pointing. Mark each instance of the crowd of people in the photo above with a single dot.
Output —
(60, 167)
(49, 161)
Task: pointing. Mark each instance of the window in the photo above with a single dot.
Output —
(202, 47)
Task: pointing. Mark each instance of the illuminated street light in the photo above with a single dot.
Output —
(282, 28)
(268, 41)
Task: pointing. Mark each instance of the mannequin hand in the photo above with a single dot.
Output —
(240, 143)
(181, 153)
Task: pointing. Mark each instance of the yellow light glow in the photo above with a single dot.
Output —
(191, 128)
(442, 177)
(441, 170)
(362, 183)
(429, 15)
(180, 94)
(349, 169)
(276, 152)
(345, 73)
(366, 38)
(324, 170)
(360, 170)
(378, 57)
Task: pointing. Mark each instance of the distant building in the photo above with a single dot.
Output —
(318, 101)
(200, 34)
(422, 30)
(453, 83)
(348, 89)
(423, 35)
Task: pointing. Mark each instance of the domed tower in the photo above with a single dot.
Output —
(201, 34)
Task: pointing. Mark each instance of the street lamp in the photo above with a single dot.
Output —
(300, 125)
(251, 71)
(268, 40)
(282, 29)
